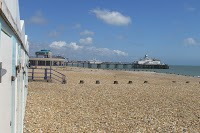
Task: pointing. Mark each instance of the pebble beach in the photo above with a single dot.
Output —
(164, 103)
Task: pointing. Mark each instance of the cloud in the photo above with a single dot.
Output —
(86, 52)
(121, 37)
(191, 9)
(106, 52)
(54, 34)
(38, 18)
(88, 40)
(74, 46)
(62, 45)
(112, 17)
(87, 32)
(99, 51)
(120, 53)
(58, 45)
(190, 42)
(77, 26)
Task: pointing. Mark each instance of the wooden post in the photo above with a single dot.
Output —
(116, 66)
(81, 82)
(50, 71)
(130, 82)
(97, 82)
(45, 74)
(89, 65)
(64, 80)
(32, 73)
(124, 66)
(115, 82)
(36, 63)
(107, 66)
(98, 66)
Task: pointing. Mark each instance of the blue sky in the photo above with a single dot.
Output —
(115, 30)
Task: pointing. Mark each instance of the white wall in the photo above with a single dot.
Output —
(13, 6)
(12, 52)
(5, 86)
(22, 28)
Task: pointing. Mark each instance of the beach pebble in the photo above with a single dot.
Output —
(108, 108)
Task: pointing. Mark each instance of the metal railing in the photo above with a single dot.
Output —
(46, 74)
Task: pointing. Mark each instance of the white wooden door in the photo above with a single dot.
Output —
(5, 85)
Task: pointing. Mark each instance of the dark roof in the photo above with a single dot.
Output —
(45, 50)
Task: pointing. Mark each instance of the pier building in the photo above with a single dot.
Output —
(45, 58)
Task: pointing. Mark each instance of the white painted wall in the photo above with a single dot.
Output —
(13, 94)
(5, 86)
(26, 43)
(13, 6)
(22, 28)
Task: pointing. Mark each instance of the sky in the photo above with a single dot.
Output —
(115, 30)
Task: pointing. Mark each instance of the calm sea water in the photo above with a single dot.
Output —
(180, 70)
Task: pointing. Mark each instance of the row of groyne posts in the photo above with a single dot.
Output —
(113, 65)
(129, 82)
(47, 74)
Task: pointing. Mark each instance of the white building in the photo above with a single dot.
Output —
(148, 61)
(13, 67)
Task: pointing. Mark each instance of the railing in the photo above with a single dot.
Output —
(46, 74)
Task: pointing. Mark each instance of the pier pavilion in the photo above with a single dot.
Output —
(45, 58)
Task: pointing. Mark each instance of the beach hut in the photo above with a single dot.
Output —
(13, 67)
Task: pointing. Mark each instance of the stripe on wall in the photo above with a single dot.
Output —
(0, 42)
(13, 98)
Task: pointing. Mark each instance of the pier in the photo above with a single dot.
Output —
(115, 65)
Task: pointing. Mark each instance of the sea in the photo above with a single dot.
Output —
(173, 69)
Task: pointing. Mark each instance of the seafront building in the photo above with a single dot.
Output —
(45, 58)
(148, 61)
(14, 49)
